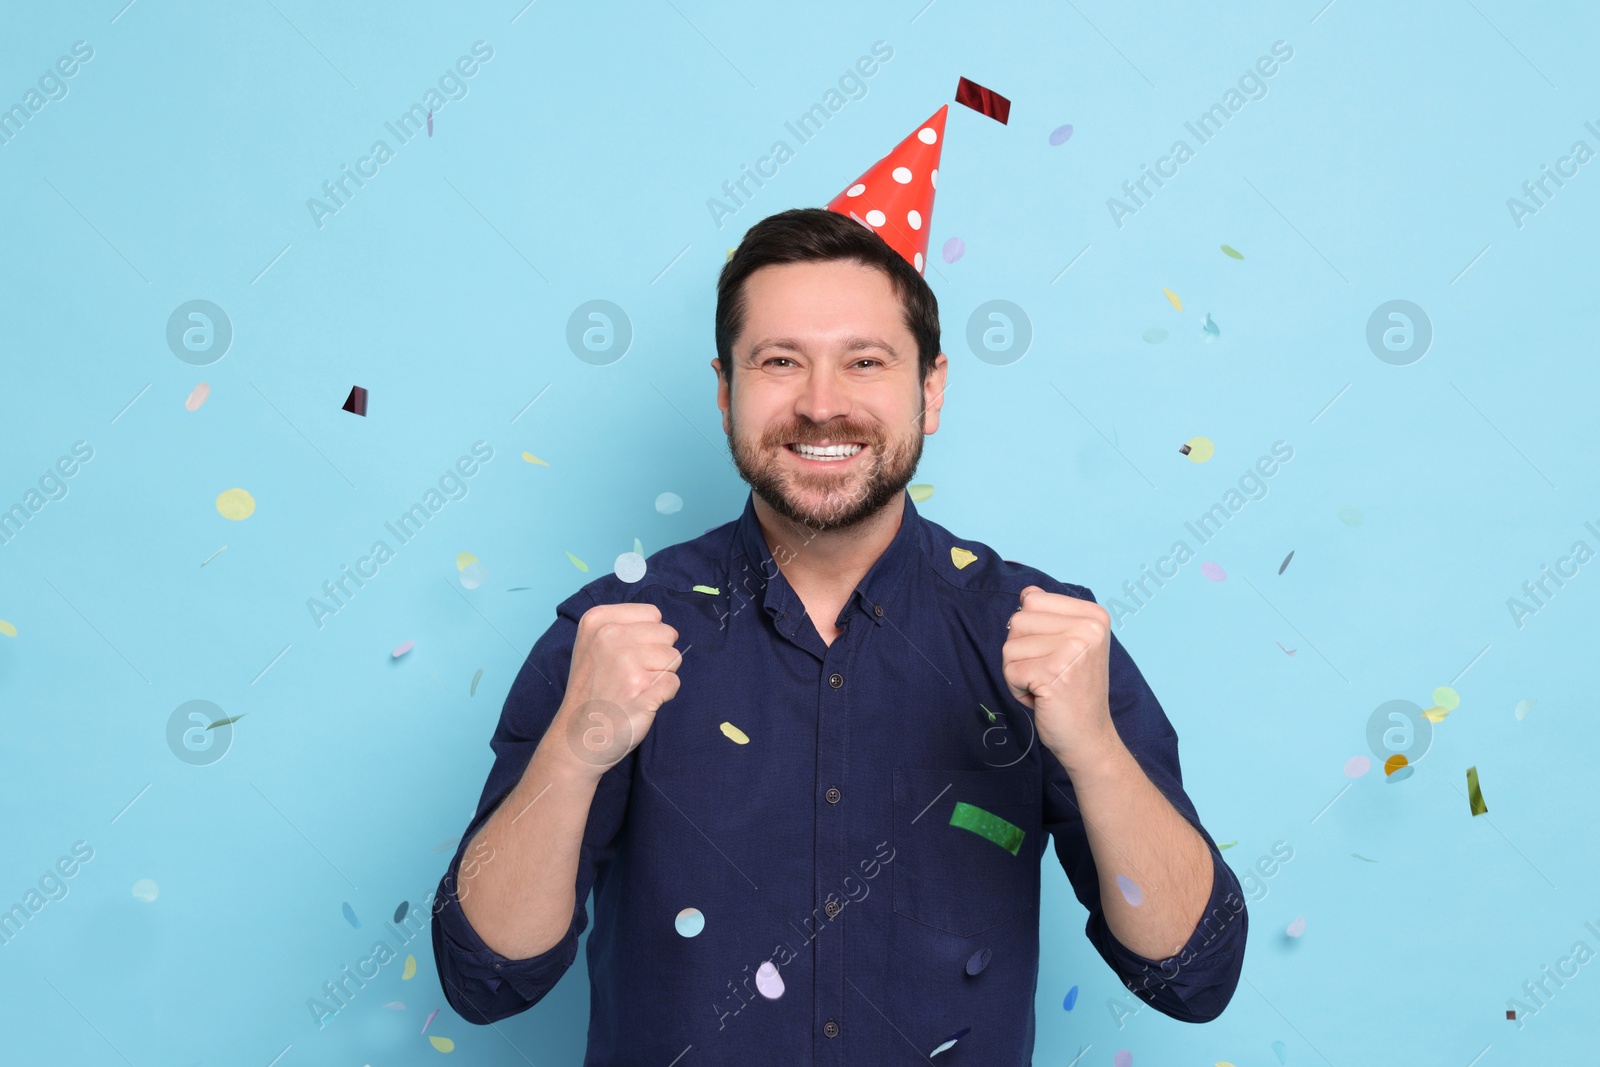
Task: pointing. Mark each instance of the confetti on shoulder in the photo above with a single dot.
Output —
(961, 557)
(713, 590)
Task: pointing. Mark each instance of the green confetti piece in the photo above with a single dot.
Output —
(1359, 856)
(225, 722)
(713, 590)
(473, 691)
(1226, 844)
(987, 712)
(919, 492)
(1475, 794)
(638, 546)
(1232, 252)
(988, 825)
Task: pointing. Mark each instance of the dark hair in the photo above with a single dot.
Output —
(811, 234)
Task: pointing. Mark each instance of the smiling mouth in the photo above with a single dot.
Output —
(833, 454)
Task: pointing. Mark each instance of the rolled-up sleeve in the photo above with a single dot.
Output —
(479, 983)
(1196, 983)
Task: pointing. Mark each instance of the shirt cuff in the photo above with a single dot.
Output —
(489, 985)
(1196, 983)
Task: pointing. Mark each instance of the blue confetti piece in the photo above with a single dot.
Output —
(350, 916)
(1209, 329)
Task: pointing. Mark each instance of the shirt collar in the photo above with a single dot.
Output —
(764, 583)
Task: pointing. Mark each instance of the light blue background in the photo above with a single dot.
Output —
(578, 167)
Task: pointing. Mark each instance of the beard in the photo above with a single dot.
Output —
(822, 498)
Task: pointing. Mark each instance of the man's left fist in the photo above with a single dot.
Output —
(1056, 659)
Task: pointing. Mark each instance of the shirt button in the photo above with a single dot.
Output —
(497, 966)
(836, 680)
(877, 609)
(830, 1029)
(832, 908)
(832, 795)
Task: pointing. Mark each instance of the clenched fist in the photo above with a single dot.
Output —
(624, 667)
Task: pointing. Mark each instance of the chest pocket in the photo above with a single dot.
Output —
(979, 871)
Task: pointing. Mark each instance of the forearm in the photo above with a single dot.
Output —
(1134, 831)
(518, 889)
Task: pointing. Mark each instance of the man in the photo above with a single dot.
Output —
(829, 701)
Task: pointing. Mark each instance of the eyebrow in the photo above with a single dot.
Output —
(854, 344)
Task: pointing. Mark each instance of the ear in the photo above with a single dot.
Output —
(724, 396)
(933, 393)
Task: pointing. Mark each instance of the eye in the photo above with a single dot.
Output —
(869, 360)
(774, 359)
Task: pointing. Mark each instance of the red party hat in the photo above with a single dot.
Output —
(894, 199)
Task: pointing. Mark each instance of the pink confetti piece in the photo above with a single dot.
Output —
(1213, 572)
(954, 249)
(430, 122)
(1290, 651)
(396, 1005)
(402, 649)
(1297, 927)
(1130, 890)
(429, 1023)
(1356, 766)
(197, 397)
(1123, 1058)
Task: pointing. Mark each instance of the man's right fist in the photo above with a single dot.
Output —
(624, 667)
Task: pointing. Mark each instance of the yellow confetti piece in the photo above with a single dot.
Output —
(713, 590)
(1394, 763)
(578, 563)
(1436, 713)
(531, 458)
(919, 492)
(1229, 250)
(1446, 698)
(960, 556)
(464, 558)
(235, 504)
(7, 629)
(443, 1044)
(1200, 449)
(197, 397)
(734, 734)
(731, 251)
(1172, 298)
(1224, 1063)
(410, 971)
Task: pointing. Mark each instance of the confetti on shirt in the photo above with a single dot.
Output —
(769, 983)
(988, 825)
(734, 734)
(713, 590)
(960, 556)
(689, 922)
(1130, 890)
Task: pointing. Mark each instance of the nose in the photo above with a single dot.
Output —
(823, 397)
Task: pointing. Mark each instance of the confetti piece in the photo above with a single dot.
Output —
(410, 970)
(1130, 890)
(1356, 766)
(960, 556)
(669, 503)
(1223, 1063)
(1285, 562)
(400, 912)
(197, 397)
(446, 846)
(951, 1040)
(1280, 1050)
(1290, 651)
(979, 960)
(1523, 706)
(1209, 330)
(519, 589)
(235, 504)
(350, 916)
(1447, 698)
(145, 889)
(638, 546)
(920, 492)
(1474, 793)
(1350, 516)
(1154, 335)
(731, 251)
(940, 1049)
(214, 555)
(1511, 1013)
(11, 631)
(690, 922)
(1297, 927)
(531, 458)
(734, 734)
(988, 825)
(1123, 1058)
(578, 563)
(1229, 250)
(1060, 134)
(1436, 713)
(769, 983)
(1394, 763)
(984, 101)
(356, 402)
(402, 648)
(473, 575)
(476, 678)
(986, 711)
(464, 560)
(230, 720)
(713, 590)
(630, 567)
(1172, 298)
(1200, 449)
(1359, 856)
(954, 249)
(429, 1021)
(1213, 572)
(430, 122)
(1070, 999)
(443, 1044)
(396, 1005)
(1221, 845)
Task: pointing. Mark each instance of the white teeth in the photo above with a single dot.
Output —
(831, 452)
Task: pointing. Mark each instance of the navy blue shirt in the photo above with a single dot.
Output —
(862, 821)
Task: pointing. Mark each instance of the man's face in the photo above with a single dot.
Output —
(825, 358)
